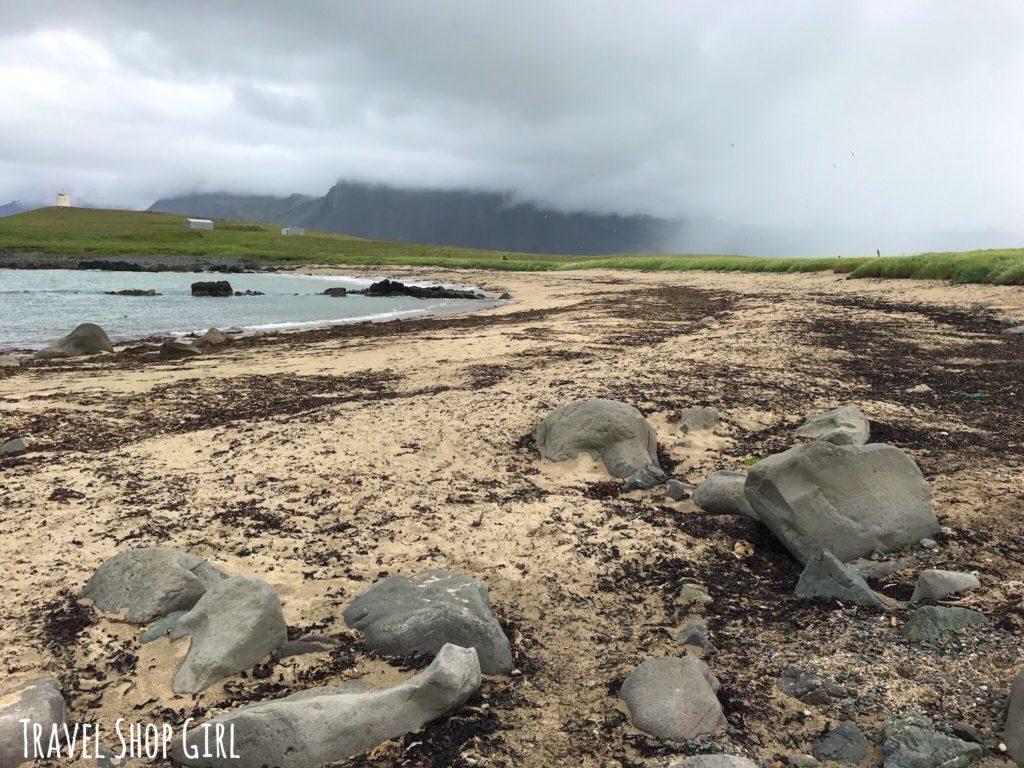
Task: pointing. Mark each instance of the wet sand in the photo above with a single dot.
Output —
(323, 460)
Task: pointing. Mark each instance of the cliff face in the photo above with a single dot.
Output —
(439, 217)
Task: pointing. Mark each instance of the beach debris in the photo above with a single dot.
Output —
(39, 701)
(673, 699)
(935, 584)
(920, 389)
(844, 744)
(403, 615)
(336, 291)
(644, 478)
(714, 761)
(327, 724)
(910, 741)
(86, 339)
(722, 493)
(809, 687)
(853, 501)
(697, 418)
(234, 625)
(677, 490)
(1013, 735)
(9, 361)
(842, 426)
(177, 350)
(826, 577)
(935, 623)
(15, 446)
(150, 582)
(695, 632)
(219, 288)
(610, 430)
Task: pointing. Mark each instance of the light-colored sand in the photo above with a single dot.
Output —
(322, 461)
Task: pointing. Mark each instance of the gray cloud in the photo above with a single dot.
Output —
(779, 126)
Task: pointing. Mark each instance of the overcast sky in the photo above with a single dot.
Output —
(897, 125)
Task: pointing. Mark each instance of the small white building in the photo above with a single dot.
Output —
(293, 230)
(198, 224)
(63, 200)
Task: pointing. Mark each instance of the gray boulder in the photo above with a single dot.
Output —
(1017, 330)
(86, 339)
(150, 582)
(17, 445)
(722, 493)
(607, 429)
(214, 337)
(697, 418)
(324, 725)
(1013, 735)
(849, 500)
(695, 633)
(826, 577)
(673, 699)
(910, 741)
(677, 490)
(934, 623)
(842, 426)
(845, 744)
(234, 626)
(715, 761)
(39, 701)
(403, 615)
(809, 687)
(644, 478)
(935, 584)
(178, 350)
(212, 288)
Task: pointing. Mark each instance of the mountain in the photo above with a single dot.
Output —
(16, 206)
(489, 220)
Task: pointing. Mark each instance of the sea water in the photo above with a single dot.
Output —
(38, 306)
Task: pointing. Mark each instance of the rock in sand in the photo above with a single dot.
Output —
(9, 361)
(828, 578)
(1013, 735)
(213, 337)
(842, 426)
(86, 339)
(935, 623)
(15, 446)
(723, 493)
(677, 490)
(850, 500)
(935, 584)
(39, 701)
(177, 350)
(673, 699)
(714, 761)
(910, 741)
(844, 744)
(697, 418)
(403, 615)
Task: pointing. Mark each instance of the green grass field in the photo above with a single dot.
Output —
(98, 233)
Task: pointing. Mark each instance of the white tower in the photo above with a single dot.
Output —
(63, 200)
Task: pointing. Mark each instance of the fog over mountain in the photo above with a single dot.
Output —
(782, 126)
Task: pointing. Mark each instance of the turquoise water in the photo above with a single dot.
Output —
(38, 306)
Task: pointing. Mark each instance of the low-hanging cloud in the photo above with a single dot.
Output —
(782, 126)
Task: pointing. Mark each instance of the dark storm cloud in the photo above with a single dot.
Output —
(832, 126)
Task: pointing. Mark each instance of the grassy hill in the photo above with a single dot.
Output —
(94, 233)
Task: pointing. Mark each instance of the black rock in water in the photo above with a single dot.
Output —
(132, 292)
(212, 288)
(337, 292)
(394, 288)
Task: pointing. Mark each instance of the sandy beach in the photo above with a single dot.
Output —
(324, 460)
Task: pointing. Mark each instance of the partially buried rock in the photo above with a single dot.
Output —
(714, 761)
(613, 431)
(708, 322)
(695, 633)
(150, 582)
(234, 626)
(934, 624)
(723, 493)
(86, 339)
(177, 350)
(910, 741)
(677, 490)
(160, 627)
(809, 687)
(842, 426)
(697, 418)
(1013, 735)
(920, 389)
(644, 478)
(219, 288)
(15, 446)
(1017, 330)
(673, 699)
(40, 702)
(402, 615)
(9, 361)
(826, 577)
(324, 725)
(850, 500)
(935, 584)
(845, 744)
(214, 337)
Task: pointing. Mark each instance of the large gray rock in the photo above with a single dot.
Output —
(910, 741)
(1013, 735)
(843, 426)
(150, 582)
(722, 493)
(934, 623)
(844, 744)
(402, 615)
(673, 699)
(935, 584)
(214, 337)
(323, 725)
(616, 433)
(234, 626)
(178, 350)
(15, 446)
(826, 577)
(1017, 330)
(715, 761)
(849, 500)
(697, 418)
(39, 701)
(86, 339)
